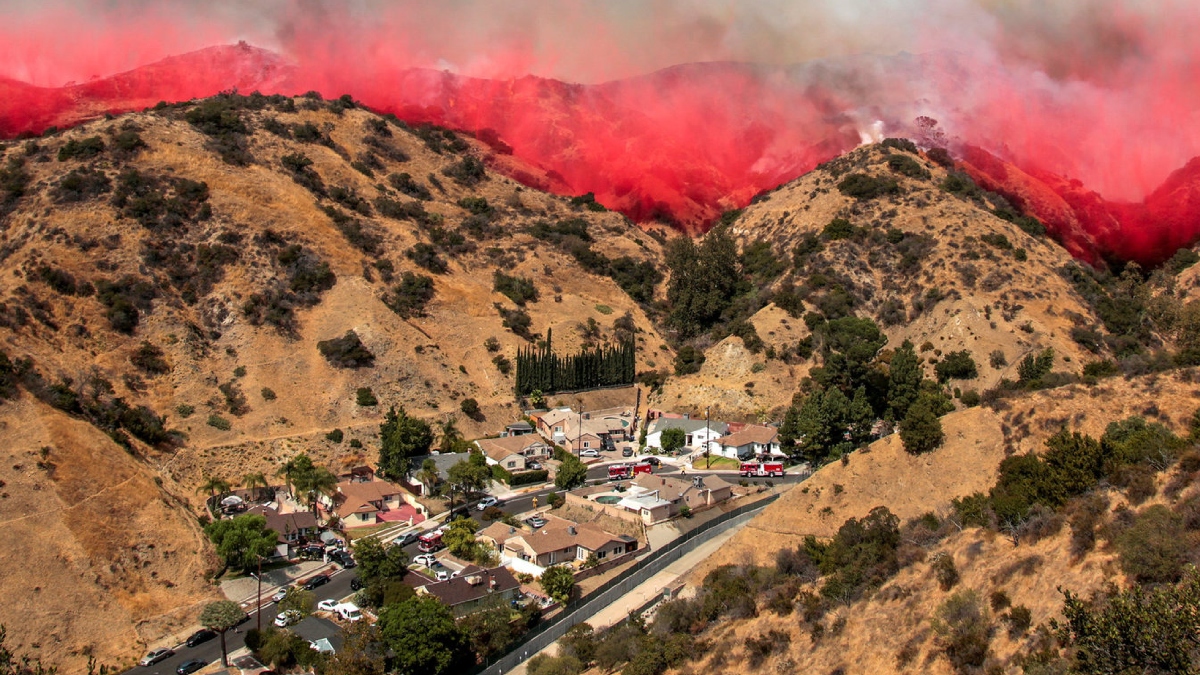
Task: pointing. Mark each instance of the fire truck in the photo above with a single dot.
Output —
(760, 469)
(625, 471)
(430, 542)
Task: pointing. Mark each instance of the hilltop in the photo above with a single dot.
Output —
(185, 272)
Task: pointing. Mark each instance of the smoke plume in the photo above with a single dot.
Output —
(688, 107)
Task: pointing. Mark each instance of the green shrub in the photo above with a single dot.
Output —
(945, 571)
(268, 394)
(81, 185)
(688, 360)
(956, 366)
(1154, 548)
(838, 228)
(150, 358)
(405, 184)
(86, 148)
(336, 436)
(907, 166)
(184, 410)
(355, 443)
(528, 477)
(219, 422)
(964, 630)
(411, 295)
(518, 289)
(470, 407)
(864, 187)
(426, 256)
(346, 352)
(468, 172)
(365, 397)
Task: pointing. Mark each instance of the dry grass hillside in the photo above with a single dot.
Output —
(931, 266)
(891, 630)
(212, 278)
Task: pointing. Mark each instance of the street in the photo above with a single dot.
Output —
(337, 588)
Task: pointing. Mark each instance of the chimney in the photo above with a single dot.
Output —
(512, 530)
(571, 531)
(664, 481)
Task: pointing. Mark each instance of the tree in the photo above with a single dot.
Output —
(470, 407)
(672, 440)
(219, 617)
(705, 279)
(213, 486)
(956, 366)
(965, 630)
(428, 475)
(378, 567)
(470, 475)
(253, 481)
(241, 541)
(424, 637)
(401, 437)
(312, 484)
(491, 629)
(295, 466)
(1034, 367)
(558, 582)
(459, 538)
(299, 600)
(1136, 630)
(921, 430)
(571, 473)
(904, 380)
(360, 653)
(451, 440)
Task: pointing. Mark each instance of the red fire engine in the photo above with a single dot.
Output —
(625, 471)
(759, 469)
(430, 542)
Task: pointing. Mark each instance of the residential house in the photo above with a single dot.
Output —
(521, 428)
(598, 429)
(514, 452)
(358, 474)
(561, 544)
(442, 462)
(367, 503)
(695, 432)
(294, 529)
(322, 635)
(552, 423)
(659, 498)
(474, 590)
(750, 442)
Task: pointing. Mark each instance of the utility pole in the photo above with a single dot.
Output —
(579, 434)
(258, 596)
(707, 461)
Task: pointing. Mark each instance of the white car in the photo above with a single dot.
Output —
(280, 594)
(426, 559)
(589, 452)
(285, 619)
(348, 611)
(327, 605)
(486, 502)
(443, 575)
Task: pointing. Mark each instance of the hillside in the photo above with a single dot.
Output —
(195, 250)
(935, 267)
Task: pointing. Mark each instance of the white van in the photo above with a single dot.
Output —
(348, 611)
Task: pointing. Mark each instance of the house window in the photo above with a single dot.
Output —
(587, 444)
(600, 555)
(511, 464)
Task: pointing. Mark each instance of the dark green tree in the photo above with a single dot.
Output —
(241, 541)
(571, 473)
(379, 567)
(672, 440)
(424, 638)
(558, 582)
(402, 437)
(921, 430)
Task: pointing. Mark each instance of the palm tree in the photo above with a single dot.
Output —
(321, 482)
(451, 436)
(253, 481)
(428, 475)
(286, 471)
(213, 485)
(219, 617)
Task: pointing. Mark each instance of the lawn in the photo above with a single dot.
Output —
(715, 462)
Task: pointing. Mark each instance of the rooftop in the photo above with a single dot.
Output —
(472, 585)
(751, 434)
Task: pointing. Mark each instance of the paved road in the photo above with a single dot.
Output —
(337, 588)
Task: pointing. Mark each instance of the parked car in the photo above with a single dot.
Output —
(190, 666)
(200, 636)
(348, 611)
(342, 558)
(536, 521)
(589, 452)
(486, 502)
(155, 656)
(627, 452)
(356, 584)
(533, 466)
(319, 580)
(443, 574)
(426, 559)
(287, 618)
(327, 605)
(405, 539)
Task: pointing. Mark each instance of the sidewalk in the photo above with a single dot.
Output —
(245, 589)
(653, 587)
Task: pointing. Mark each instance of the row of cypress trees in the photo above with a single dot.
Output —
(540, 369)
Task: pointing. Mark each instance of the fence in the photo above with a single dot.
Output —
(578, 611)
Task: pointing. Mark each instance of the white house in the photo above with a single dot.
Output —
(749, 442)
(695, 432)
